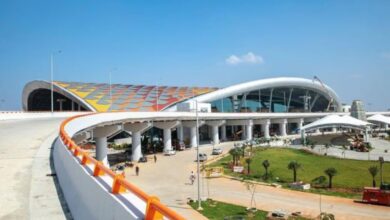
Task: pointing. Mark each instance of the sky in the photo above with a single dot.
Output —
(197, 43)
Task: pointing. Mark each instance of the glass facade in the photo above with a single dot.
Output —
(283, 99)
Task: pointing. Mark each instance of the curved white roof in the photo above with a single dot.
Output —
(336, 121)
(271, 83)
(379, 118)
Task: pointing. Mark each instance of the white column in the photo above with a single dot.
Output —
(215, 134)
(265, 128)
(249, 131)
(214, 128)
(167, 139)
(223, 132)
(180, 133)
(136, 146)
(193, 136)
(101, 149)
(283, 128)
(334, 130)
(101, 134)
(136, 130)
(167, 128)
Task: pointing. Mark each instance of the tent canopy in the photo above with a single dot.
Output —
(379, 118)
(335, 121)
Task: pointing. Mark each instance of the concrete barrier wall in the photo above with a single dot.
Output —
(18, 115)
(89, 197)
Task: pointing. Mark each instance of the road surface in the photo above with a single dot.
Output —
(169, 180)
(26, 191)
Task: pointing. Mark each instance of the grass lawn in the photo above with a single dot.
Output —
(214, 210)
(352, 175)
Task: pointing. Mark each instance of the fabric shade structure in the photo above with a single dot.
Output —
(336, 121)
(378, 118)
(332, 121)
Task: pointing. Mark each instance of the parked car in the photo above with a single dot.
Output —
(202, 157)
(169, 152)
(216, 151)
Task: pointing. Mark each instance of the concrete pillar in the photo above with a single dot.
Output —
(180, 133)
(101, 149)
(167, 128)
(101, 134)
(215, 125)
(386, 127)
(167, 139)
(215, 134)
(249, 130)
(192, 126)
(283, 127)
(334, 130)
(193, 137)
(223, 133)
(265, 127)
(136, 129)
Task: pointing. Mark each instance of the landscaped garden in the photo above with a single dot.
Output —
(214, 210)
(348, 177)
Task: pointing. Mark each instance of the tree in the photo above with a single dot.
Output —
(266, 164)
(294, 166)
(373, 171)
(236, 154)
(248, 161)
(330, 172)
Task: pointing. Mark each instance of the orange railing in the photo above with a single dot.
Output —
(154, 208)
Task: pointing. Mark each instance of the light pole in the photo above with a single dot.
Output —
(197, 153)
(52, 78)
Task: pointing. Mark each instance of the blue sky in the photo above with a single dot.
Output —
(344, 43)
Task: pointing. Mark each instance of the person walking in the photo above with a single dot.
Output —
(155, 158)
(192, 178)
(137, 170)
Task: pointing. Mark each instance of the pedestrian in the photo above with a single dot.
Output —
(192, 178)
(137, 170)
(155, 158)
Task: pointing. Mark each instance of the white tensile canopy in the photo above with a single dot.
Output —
(378, 118)
(335, 121)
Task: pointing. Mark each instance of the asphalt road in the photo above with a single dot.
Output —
(26, 192)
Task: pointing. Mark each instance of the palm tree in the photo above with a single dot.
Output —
(373, 171)
(248, 161)
(236, 154)
(294, 166)
(331, 172)
(266, 164)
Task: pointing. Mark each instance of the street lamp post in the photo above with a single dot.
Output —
(197, 153)
(52, 78)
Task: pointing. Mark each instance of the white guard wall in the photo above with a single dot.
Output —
(89, 197)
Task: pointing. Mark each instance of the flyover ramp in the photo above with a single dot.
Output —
(24, 162)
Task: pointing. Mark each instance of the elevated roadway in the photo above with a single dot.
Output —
(26, 190)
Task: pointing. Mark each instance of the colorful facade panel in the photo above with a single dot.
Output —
(131, 97)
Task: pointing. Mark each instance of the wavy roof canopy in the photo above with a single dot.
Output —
(130, 97)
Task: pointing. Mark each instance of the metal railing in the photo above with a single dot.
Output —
(154, 208)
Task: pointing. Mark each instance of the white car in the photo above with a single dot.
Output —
(202, 157)
(169, 152)
(216, 151)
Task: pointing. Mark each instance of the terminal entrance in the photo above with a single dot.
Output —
(40, 100)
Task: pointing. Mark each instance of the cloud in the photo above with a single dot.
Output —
(249, 58)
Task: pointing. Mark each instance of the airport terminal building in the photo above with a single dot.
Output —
(274, 95)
